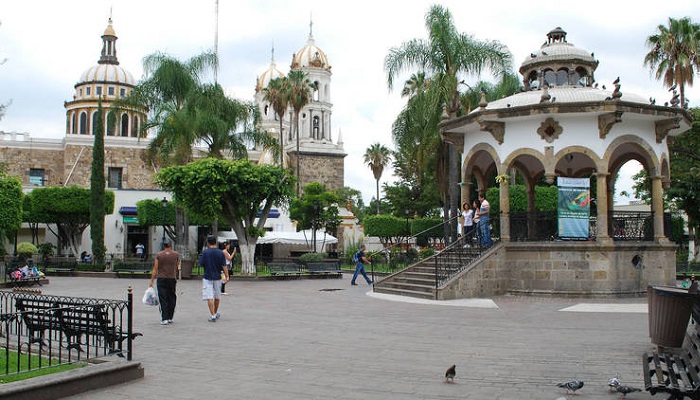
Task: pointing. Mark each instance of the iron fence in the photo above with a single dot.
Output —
(39, 331)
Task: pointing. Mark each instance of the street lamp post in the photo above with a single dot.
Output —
(165, 205)
(314, 224)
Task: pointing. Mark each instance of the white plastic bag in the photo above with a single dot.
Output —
(150, 297)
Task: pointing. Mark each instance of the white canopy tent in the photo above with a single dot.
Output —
(303, 238)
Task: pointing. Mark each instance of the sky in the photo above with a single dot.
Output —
(48, 44)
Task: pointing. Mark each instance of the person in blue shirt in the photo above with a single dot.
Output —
(213, 261)
(360, 266)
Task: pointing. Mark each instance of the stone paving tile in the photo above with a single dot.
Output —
(289, 340)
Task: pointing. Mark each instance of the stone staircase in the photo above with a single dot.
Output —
(419, 279)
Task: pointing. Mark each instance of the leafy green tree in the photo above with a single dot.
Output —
(387, 228)
(377, 156)
(354, 198)
(11, 210)
(277, 93)
(97, 189)
(238, 192)
(69, 209)
(508, 85)
(316, 209)
(445, 55)
(300, 94)
(673, 55)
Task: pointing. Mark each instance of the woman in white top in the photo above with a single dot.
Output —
(468, 228)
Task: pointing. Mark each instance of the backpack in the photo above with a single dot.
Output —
(356, 258)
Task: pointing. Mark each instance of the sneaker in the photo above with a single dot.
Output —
(217, 316)
(212, 319)
(224, 293)
(353, 283)
(170, 321)
(370, 282)
(164, 322)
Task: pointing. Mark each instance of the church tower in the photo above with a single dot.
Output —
(320, 158)
(109, 81)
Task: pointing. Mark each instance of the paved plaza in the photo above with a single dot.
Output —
(325, 339)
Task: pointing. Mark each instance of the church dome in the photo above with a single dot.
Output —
(271, 73)
(310, 56)
(107, 73)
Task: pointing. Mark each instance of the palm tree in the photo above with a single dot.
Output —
(377, 156)
(673, 54)
(277, 94)
(300, 94)
(445, 55)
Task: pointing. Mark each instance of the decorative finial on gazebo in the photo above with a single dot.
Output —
(483, 103)
(444, 115)
(545, 94)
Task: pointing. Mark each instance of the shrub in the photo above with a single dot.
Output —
(425, 253)
(46, 250)
(26, 250)
(311, 257)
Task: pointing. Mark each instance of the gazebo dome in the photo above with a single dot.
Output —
(107, 73)
(558, 63)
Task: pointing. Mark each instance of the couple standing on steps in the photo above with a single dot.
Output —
(360, 259)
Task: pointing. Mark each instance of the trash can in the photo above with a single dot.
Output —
(669, 312)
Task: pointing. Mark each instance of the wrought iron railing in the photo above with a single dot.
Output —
(62, 331)
(456, 257)
(631, 226)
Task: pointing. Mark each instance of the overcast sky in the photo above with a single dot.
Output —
(48, 44)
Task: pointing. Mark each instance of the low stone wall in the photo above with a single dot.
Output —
(567, 269)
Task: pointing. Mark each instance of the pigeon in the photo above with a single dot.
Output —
(571, 385)
(544, 53)
(614, 383)
(533, 55)
(672, 88)
(450, 374)
(616, 81)
(624, 390)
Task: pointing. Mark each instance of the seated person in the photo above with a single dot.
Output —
(87, 258)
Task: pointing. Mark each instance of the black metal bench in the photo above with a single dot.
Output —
(324, 268)
(64, 265)
(132, 267)
(284, 269)
(73, 320)
(675, 371)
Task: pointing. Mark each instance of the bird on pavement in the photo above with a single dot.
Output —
(624, 390)
(450, 374)
(613, 383)
(573, 385)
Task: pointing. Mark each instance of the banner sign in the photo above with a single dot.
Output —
(574, 207)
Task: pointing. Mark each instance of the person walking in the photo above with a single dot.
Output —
(229, 261)
(484, 225)
(164, 274)
(213, 261)
(360, 260)
(140, 250)
(468, 227)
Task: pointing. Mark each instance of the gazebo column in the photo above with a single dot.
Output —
(602, 207)
(657, 208)
(531, 217)
(504, 203)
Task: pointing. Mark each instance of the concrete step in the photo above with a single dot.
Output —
(407, 286)
(403, 292)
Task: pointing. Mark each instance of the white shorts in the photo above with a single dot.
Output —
(211, 289)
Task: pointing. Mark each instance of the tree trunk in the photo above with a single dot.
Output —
(453, 189)
(377, 196)
(248, 258)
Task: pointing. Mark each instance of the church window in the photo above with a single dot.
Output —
(135, 126)
(87, 90)
(316, 127)
(98, 90)
(83, 130)
(114, 177)
(111, 122)
(122, 92)
(125, 125)
(316, 86)
(110, 91)
(73, 123)
(36, 176)
(95, 115)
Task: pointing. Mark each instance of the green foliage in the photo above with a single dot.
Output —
(46, 250)
(685, 171)
(234, 191)
(11, 210)
(97, 189)
(416, 199)
(384, 226)
(545, 198)
(25, 250)
(306, 258)
(426, 252)
(316, 209)
(426, 229)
